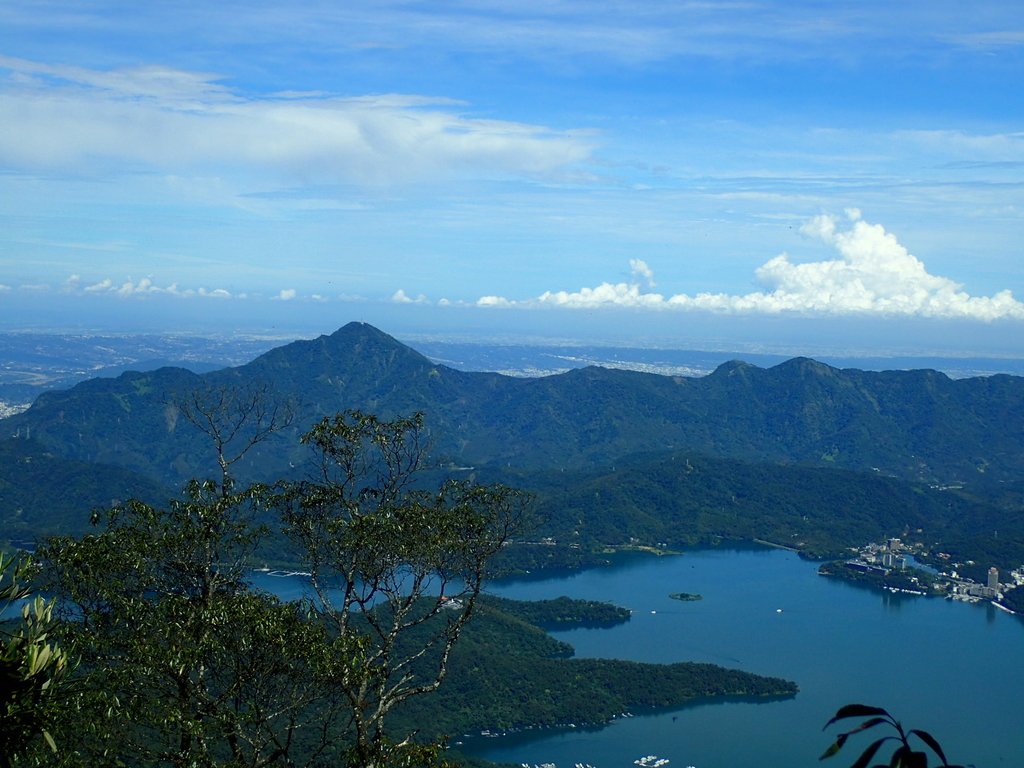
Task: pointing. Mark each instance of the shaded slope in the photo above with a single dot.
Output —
(43, 494)
(915, 424)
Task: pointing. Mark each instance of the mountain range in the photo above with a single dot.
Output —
(913, 426)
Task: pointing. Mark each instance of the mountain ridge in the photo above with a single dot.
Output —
(918, 425)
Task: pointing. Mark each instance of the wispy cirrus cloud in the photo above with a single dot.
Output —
(622, 33)
(165, 120)
(873, 274)
(991, 39)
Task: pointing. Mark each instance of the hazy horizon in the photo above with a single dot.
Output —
(789, 174)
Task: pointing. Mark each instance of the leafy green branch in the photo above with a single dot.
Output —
(903, 756)
(33, 669)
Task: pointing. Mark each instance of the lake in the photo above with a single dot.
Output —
(954, 669)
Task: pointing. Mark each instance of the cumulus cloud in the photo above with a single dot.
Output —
(73, 118)
(606, 294)
(286, 294)
(136, 288)
(400, 297)
(641, 271)
(872, 274)
(494, 301)
(101, 287)
(216, 293)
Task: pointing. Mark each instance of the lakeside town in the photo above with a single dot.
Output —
(898, 567)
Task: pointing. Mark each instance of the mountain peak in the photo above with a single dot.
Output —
(732, 367)
(357, 328)
(362, 338)
(804, 366)
(358, 349)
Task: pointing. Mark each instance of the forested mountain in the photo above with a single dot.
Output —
(910, 424)
(678, 499)
(801, 453)
(43, 494)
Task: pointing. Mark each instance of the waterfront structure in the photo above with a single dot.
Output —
(993, 578)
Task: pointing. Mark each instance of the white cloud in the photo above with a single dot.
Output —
(606, 294)
(144, 287)
(104, 285)
(873, 275)
(640, 269)
(494, 301)
(216, 293)
(75, 119)
(574, 30)
(400, 297)
(286, 294)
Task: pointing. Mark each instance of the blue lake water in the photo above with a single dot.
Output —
(954, 669)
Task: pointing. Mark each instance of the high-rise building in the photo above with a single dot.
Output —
(993, 577)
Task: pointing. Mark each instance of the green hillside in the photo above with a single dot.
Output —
(507, 673)
(43, 494)
(676, 499)
(800, 453)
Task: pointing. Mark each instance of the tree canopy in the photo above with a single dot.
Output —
(206, 670)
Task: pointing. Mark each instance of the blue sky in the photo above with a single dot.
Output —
(797, 174)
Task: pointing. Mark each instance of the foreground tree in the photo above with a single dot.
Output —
(397, 568)
(205, 671)
(174, 643)
(235, 420)
(34, 671)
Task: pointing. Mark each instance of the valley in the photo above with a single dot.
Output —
(811, 459)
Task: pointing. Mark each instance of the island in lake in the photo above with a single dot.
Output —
(686, 596)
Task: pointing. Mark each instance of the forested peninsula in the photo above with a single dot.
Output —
(508, 674)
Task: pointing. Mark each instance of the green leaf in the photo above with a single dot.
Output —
(870, 752)
(857, 710)
(897, 760)
(834, 747)
(928, 739)
(867, 724)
